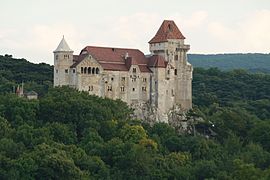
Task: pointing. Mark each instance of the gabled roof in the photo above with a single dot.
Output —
(111, 54)
(167, 30)
(115, 59)
(157, 61)
(63, 46)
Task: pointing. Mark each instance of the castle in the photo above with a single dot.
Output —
(162, 79)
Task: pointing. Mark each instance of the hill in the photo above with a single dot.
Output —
(38, 77)
(67, 134)
(251, 62)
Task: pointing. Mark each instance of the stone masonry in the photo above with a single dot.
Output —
(152, 84)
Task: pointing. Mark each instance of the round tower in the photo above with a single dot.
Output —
(63, 59)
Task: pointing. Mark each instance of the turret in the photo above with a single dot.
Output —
(63, 59)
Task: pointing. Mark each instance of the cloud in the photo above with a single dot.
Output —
(248, 35)
(36, 43)
(205, 34)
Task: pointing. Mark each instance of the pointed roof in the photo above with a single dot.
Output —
(167, 30)
(63, 46)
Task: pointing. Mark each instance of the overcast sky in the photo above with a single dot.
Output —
(32, 29)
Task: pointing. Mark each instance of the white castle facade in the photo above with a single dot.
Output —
(162, 79)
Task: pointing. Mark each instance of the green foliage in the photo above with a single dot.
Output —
(252, 62)
(67, 134)
(37, 77)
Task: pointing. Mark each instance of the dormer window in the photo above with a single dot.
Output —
(134, 70)
(170, 27)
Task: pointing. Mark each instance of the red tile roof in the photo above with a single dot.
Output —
(168, 30)
(115, 59)
(77, 59)
(114, 67)
(157, 61)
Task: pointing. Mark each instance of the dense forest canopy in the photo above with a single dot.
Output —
(252, 62)
(36, 77)
(67, 134)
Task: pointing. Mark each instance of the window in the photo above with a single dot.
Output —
(123, 79)
(56, 57)
(175, 72)
(82, 70)
(109, 88)
(144, 89)
(56, 70)
(74, 70)
(144, 79)
(89, 70)
(172, 93)
(97, 71)
(133, 89)
(93, 70)
(176, 57)
(122, 88)
(66, 70)
(112, 78)
(170, 28)
(168, 71)
(134, 70)
(85, 70)
(90, 88)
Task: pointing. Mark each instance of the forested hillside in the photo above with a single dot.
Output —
(67, 134)
(251, 62)
(36, 77)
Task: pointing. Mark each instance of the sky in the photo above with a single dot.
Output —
(32, 29)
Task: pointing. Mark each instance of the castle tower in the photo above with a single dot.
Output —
(63, 59)
(169, 43)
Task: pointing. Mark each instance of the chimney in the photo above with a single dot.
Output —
(126, 55)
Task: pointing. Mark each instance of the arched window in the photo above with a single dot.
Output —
(82, 70)
(93, 70)
(89, 70)
(175, 71)
(97, 71)
(85, 70)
